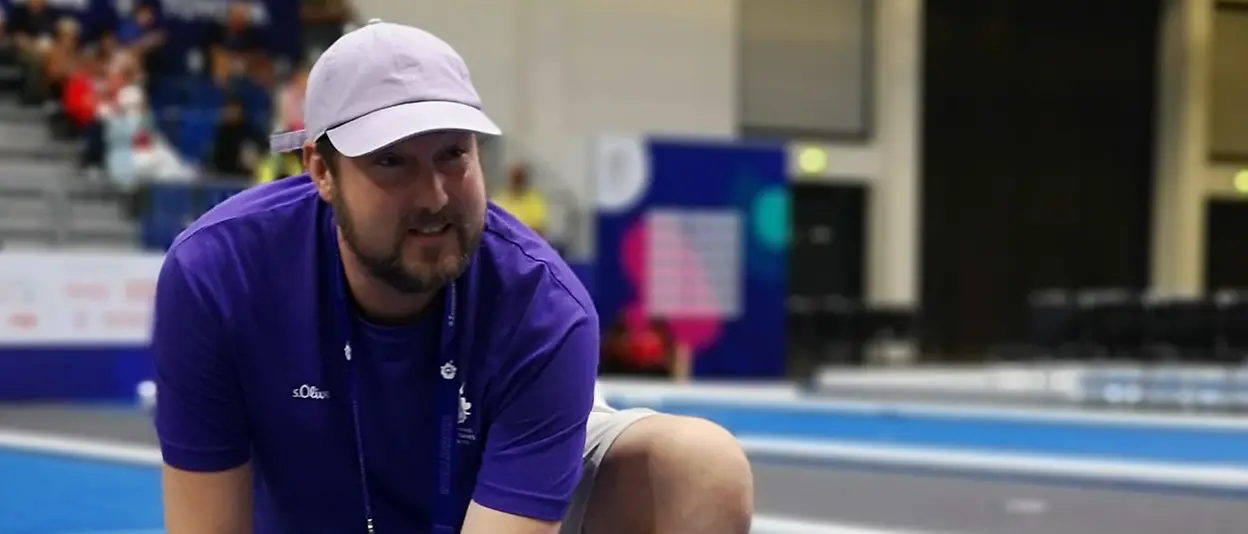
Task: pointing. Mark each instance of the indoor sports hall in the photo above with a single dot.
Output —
(940, 266)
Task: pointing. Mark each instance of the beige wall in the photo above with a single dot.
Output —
(889, 162)
(555, 72)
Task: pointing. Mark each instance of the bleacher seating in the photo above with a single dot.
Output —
(168, 208)
(43, 200)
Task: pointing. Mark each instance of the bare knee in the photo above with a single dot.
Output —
(673, 474)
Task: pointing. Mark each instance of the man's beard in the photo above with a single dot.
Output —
(387, 267)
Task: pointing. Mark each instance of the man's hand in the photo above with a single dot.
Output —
(207, 503)
(482, 520)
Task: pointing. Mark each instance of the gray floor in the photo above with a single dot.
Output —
(923, 503)
(102, 424)
(949, 505)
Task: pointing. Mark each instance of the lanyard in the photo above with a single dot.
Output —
(443, 510)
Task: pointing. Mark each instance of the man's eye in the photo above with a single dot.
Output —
(388, 160)
(452, 154)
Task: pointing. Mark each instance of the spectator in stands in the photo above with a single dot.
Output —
(105, 48)
(139, 35)
(290, 100)
(134, 149)
(236, 146)
(124, 70)
(62, 57)
(33, 26)
(235, 57)
(523, 202)
(650, 349)
(323, 22)
(289, 119)
(80, 97)
(277, 166)
(85, 93)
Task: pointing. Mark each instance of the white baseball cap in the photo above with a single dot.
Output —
(383, 83)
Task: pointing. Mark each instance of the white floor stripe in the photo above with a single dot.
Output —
(156, 531)
(787, 398)
(762, 525)
(1232, 477)
(1214, 477)
(778, 525)
(94, 450)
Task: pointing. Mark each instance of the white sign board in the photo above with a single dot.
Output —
(77, 298)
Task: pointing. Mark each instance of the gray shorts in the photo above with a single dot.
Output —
(605, 425)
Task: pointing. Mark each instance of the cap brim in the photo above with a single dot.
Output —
(388, 126)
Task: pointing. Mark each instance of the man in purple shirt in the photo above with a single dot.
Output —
(373, 347)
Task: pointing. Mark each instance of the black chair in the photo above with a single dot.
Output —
(802, 330)
(1116, 321)
(1185, 331)
(1188, 327)
(1053, 324)
(1232, 347)
(839, 322)
(890, 327)
(1232, 319)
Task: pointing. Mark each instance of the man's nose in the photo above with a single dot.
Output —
(431, 192)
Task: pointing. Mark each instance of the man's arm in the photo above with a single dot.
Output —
(149, 41)
(532, 460)
(199, 412)
(481, 520)
(207, 503)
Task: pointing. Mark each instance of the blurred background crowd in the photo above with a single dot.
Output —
(167, 91)
(1036, 204)
(1053, 147)
(968, 182)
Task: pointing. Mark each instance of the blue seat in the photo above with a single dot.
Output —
(258, 106)
(202, 93)
(195, 132)
(213, 194)
(166, 92)
(168, 206)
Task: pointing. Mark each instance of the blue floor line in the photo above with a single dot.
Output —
(1198, 446)
(42, 494)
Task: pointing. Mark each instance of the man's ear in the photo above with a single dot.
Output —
(318, 170)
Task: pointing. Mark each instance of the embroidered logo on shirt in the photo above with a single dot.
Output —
(309, 392)
(465, 434)
(465, 407)
(448, 371)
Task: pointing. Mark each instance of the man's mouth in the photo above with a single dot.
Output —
(430, 230)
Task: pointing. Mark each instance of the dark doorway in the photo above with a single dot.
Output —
(1226, 248)
(828, 251)
(1037, 158)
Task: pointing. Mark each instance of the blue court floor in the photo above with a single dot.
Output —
(57, 495)
(45, 494)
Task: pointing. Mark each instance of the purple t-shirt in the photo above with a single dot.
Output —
(249, 367)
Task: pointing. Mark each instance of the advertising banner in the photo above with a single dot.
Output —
(695, 233)
(76, 298)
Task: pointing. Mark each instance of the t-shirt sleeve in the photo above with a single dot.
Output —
(532, 458)
(199, 410)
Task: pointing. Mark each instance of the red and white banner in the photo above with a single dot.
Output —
(76, 297)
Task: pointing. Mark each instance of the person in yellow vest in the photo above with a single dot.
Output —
(277, 166)
(524, 203)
